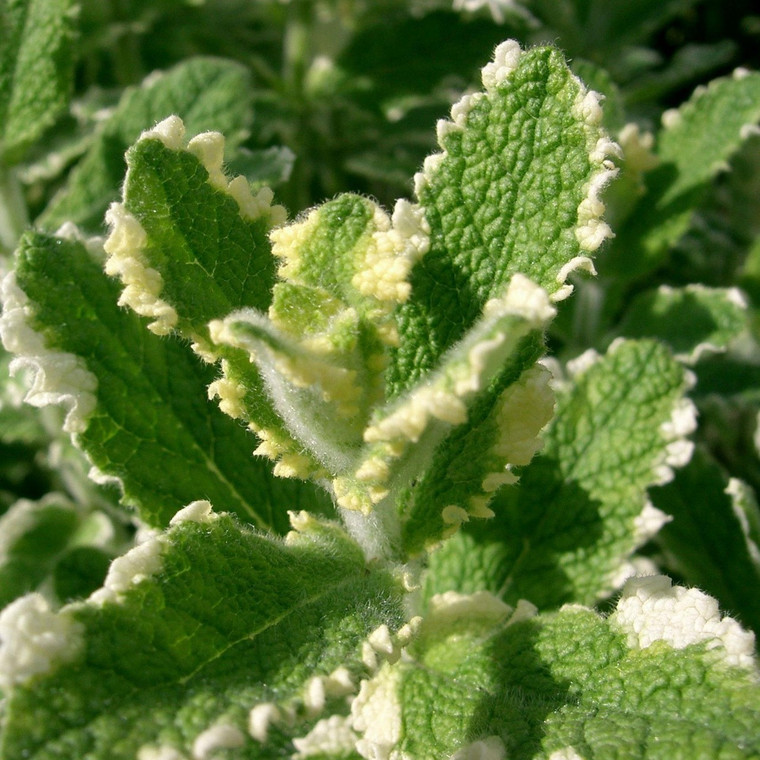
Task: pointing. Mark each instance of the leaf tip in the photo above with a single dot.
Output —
(139, 563)
(566, 753)
(221, 736)
(199, 511)
(260, 718)
(159, 752)
(170, 131)
(208, 148)
(490, 748)
(505, 60)
(396, 246)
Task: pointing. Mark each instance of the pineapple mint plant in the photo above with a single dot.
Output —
(445, 470)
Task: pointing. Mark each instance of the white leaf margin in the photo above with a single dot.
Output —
(57, 377)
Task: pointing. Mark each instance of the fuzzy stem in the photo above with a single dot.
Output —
(377, 532)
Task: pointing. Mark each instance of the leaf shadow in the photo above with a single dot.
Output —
(522, 694)
(542, 526)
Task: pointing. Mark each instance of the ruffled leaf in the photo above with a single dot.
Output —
(515, 189)
(136, 403)
(641, 683)
(189, 244)
(567, 531)
(206, 637)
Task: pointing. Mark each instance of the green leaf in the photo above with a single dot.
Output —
(694, 144)
(36, 70)
(642, 683)
(207, 636)
(399, 55)
(313, 388)
(205, 254)
(324, 345)
(392, 465)
(137, 403)
(453, 472)
(693, 320)
(268, 166)
(566, 532)
(189, 245)
(22, 437)
(207, 93)
(34, 536)
(713, 538)
(516, 189)
(57, 547)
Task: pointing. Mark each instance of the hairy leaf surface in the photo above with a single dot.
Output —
(36, 69)
(514, 190)
(137, 403)
(567, 530)
(195, 628)
(638, 684)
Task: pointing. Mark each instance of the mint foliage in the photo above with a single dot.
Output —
(275, 610)
(206, 93)
(134, 386)
(518, 686)
(362, 399)
(503, 232)
(569, 527)
(34, 88)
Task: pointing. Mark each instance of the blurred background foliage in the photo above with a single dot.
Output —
(353, 87)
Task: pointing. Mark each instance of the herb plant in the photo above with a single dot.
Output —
(366, 477)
